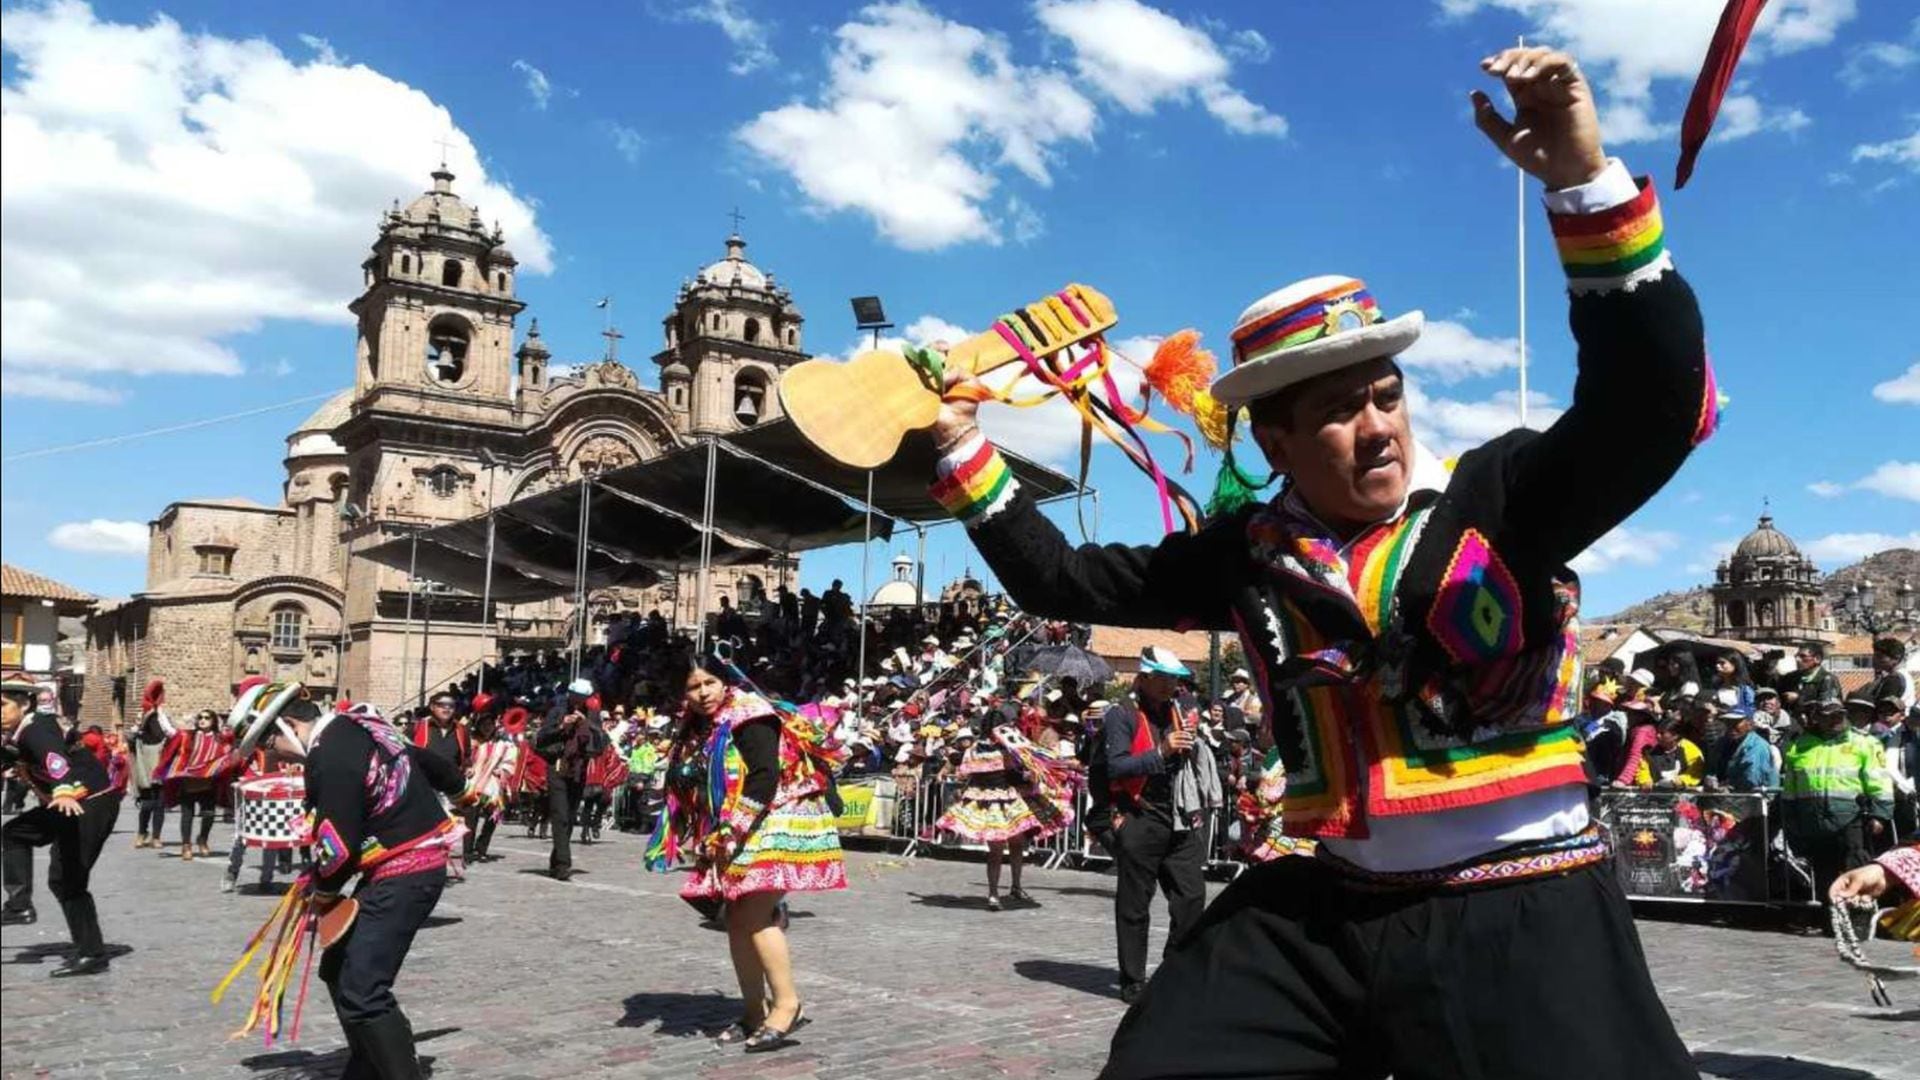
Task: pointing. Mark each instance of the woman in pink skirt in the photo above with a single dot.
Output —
(1012, 791)
(747, 817)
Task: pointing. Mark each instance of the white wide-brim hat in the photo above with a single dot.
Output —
(1307, 329)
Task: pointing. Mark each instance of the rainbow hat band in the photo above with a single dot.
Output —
(1307, 329)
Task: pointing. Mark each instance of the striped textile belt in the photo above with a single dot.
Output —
(1515, 863)
(412, 861)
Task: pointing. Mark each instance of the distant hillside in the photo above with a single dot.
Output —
(1692, 609)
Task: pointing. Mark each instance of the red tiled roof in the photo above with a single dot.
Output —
(1853, 681)
(24, 583)
(1120, 646)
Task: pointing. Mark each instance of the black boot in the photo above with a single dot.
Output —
(387, 1044)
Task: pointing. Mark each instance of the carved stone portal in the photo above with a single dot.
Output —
(601, 454)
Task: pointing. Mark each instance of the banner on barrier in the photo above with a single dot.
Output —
(864, 809)
(1674, 845)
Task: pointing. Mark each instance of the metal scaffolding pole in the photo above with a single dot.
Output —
(580, 577)
(406, 637)
(704, 581)
(866, 594)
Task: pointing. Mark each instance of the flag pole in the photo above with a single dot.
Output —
(1520, 218)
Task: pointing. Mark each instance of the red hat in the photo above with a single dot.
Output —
(152, 697)
(593, 702)
(482, 702)
(514, 720)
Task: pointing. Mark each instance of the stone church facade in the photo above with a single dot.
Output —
(446, 417)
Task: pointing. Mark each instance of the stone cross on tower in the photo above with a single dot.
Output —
(613, 336)
(737, 217)
(444, 144)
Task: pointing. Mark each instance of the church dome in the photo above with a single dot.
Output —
(734, 270)
(441, 208)
(1766, 542)
(314, 436)
(895, 594)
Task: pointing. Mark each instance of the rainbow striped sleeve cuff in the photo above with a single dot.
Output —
(1615, 248)
(74, 791)
(974, 482)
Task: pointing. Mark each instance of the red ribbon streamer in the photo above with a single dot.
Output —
(1716, 74)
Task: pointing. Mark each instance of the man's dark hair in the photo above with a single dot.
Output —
(1890, 647)
(1815, 649)
(1276, 409)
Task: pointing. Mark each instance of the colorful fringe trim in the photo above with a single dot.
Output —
(294, 928)
(1614, 249)
(974, 482)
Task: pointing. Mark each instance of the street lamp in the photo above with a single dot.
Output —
(486, 579)
(351, 515)
(868, 314)
(1860, 603)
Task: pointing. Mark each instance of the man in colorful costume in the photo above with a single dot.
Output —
(78, 807)
(374, 816)
(1411, 628)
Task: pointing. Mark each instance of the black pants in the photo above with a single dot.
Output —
(1297, 972)
(192, 802)
(480, 822)
(593, 810)
(1906, 819)
(76, 843)
(359, 970)
(1148, 852)
(1832, 854)
(153, 812)
(563, 806)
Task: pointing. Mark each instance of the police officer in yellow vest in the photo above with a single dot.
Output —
(1835, 793)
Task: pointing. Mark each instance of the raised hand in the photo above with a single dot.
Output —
(1555, 133)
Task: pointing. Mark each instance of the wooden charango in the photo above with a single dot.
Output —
(858, 412)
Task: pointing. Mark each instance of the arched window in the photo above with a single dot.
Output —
(447, 350)
(752, 332)
(716, 320)
(750, 397)
(289, 627)
(450, 273)
(444, 481)
(500, 280)
(406, 263)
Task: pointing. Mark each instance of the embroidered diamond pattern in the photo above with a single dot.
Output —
(1476, 612)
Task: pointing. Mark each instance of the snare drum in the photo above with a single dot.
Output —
(273, 812)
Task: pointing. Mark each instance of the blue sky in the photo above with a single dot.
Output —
(188, 190)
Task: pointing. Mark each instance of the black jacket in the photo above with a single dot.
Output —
(366, 793)
(52, 768)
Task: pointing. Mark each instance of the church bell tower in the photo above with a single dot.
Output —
(436, 319)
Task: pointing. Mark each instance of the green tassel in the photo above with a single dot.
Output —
(1233, 489)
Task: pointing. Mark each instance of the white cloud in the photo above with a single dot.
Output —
(322, 48)
(1139, 56)
(46, 384)
(916, 116)
(163, 190)
(1903, 389)
(1448, 352)
(1629, 45)
(101, 537)
(1715, 551)
(538, 88)
(1449, 426)
(1827, 489)
(1742, 115)
(627, 142)
(751, 49)
(1894, 479)
(1876, 62)
(1024, 222)
(1623, 546)
(282, 368)
(1838, 548)
(1903, 151)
